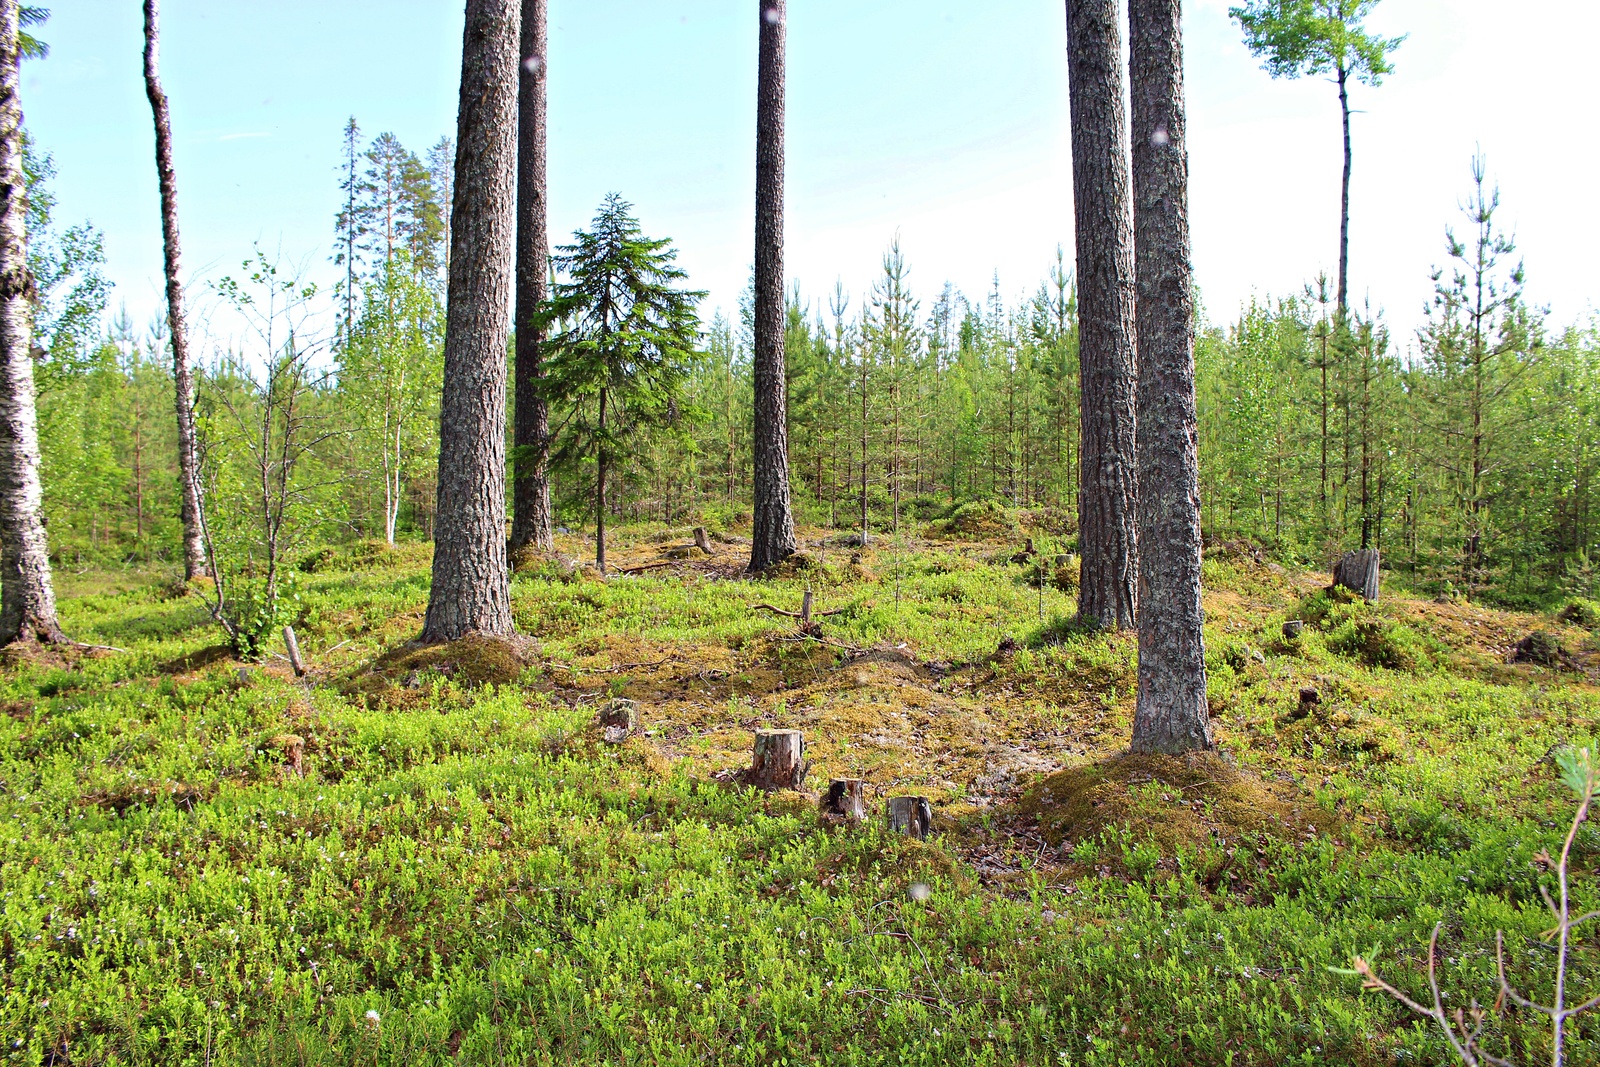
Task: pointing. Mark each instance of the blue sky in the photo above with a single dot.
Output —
(942, 120)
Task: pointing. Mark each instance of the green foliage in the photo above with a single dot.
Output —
(263, 417)
(390, 373)
(488, 881)
(621, 342)
(1296, 38)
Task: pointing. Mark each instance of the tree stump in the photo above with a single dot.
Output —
(1358, 572)
(912, 816)
(703, 541)
(618, 719)
(777, 762)
(1293, 627)
(847, 797)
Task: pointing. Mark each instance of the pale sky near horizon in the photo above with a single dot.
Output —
(942, 121)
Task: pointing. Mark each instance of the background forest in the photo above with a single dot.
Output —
(1467, 454)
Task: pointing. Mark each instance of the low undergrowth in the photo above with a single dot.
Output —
(427, 856)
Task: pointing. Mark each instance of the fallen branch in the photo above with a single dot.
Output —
(650, 566)
(614, 668)
(797, 614)
(85, 646)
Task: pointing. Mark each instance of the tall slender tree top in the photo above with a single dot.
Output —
(1312, 37)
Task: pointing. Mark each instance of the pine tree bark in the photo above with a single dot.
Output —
(1108, 596)
(27, 598)
(471, 590)
(194, 542)
(530, 491)
(1171, 713)
(772, 535)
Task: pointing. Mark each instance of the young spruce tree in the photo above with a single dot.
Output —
(623, 346)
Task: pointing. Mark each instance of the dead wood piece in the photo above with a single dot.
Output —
(847, 797)
(778, 760)
(293, 645)
(647, 566)
(912, 816)
(703, 541)
(805, 614)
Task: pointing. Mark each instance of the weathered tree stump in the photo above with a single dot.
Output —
(618, 719)
(846, 797)
(293, 645)
(912, 816)
(703, 541)
(1358, 572)
(778, 760)
(1293, 627)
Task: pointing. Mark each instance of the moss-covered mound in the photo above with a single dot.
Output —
(372, 554)
(551, 566)
(980, 521)
(1180, 804)
(475, 660)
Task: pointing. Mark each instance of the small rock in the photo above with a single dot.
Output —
(1309, 696)
(413, 680)
(246, 675)
(1257, 655)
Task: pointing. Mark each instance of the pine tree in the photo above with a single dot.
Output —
(1107, 499)
(1480, 341)
(471, 586)
(772, 533)
(1315, 37)
(530, 522)
(1171, 713)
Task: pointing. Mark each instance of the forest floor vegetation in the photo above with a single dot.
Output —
(431, 855)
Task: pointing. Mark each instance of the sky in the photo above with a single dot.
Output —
(942, 121)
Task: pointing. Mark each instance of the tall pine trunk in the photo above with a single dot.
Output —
(1108, 495)
(194, 542)
(471, 588)
(1171, 714)
(1344, 199)
(530, 492)
(27, 598)
(772, 536)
